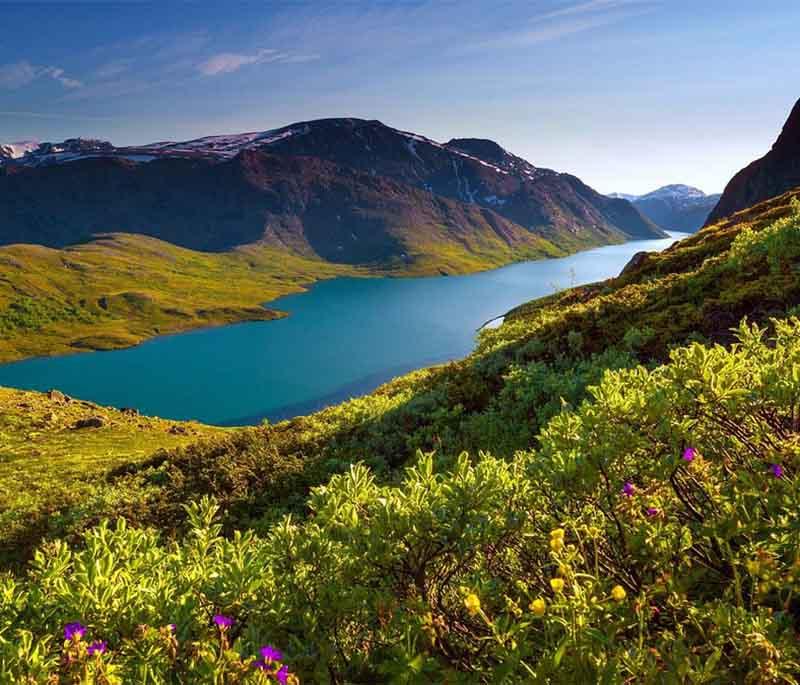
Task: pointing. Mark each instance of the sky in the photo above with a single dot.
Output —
(628, 95)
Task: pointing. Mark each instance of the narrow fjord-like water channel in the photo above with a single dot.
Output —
(343, 338)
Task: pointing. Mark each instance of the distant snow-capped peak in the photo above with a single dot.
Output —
(675, 191)
(17, 149)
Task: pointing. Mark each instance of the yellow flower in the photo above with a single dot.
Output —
(618, 593)
(558, 533)
(557, 584)
(556, 544)
(538, 606)
(473, 603)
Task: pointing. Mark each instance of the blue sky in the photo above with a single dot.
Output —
(626, 94)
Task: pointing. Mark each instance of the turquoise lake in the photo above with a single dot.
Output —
(343, 337)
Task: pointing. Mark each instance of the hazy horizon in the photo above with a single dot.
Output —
(628, 95)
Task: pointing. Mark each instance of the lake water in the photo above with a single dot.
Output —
(344, 337)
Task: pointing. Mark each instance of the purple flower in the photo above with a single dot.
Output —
(74, 629)
(628, 489)
(652, 511)
(282, 675)
(270, 653)
(777, 470)
(173, 628)
(689, 454)
(223, 621)
(98, 647)
(261, 665)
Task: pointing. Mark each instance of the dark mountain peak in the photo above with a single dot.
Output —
(772, 175)
(482, 148)
(788, 142)
(350, 123)
(344, 188)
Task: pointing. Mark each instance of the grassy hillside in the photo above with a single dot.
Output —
(628, 512)
(121, 289)
(54, 450)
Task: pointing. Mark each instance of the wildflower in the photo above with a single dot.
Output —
(74, 631)
(689, 454)
(98, 647)
(558, 533)
(538, 606)
(777, 470)
(618, 593)
(628, 489)
(172, 628)
(283, 675)
(271, 653)
(556, 544)
(473, 603)
(652, 511)
(223, 622)
(557, 584)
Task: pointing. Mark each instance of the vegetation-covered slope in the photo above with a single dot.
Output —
(55, 449)
(120, 289)
(644, 530)
(649, 534)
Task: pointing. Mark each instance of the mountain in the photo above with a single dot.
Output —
(13, 151)
(767, 177)
(348, 190)
(674, 207)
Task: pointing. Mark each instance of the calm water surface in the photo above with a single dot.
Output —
(344, 337)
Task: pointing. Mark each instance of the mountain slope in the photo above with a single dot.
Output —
(674, 207)
(773, 174)
(305, 205)
(546, 353)
(606, 449)
(348, 190)
(470, 170)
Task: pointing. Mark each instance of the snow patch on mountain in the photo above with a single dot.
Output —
(17, 149)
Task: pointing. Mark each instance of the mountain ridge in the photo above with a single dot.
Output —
(358, 164)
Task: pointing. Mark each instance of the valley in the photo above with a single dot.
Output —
(342, 402)
(343, 337)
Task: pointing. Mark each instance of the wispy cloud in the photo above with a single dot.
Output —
(19, 74)
(570, 19)
(112, 69)
(591, 6)
(554, 30)
(228, 62)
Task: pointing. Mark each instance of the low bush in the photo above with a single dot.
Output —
(651, 537)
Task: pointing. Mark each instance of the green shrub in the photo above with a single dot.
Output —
(779, 243)
(652, 537)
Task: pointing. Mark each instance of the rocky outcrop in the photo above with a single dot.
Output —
(634, 263)
(773, 174)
